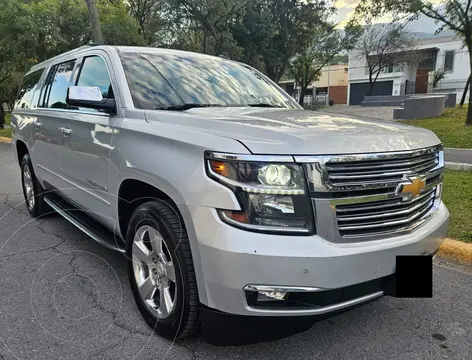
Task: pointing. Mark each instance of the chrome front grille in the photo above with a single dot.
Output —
(357, 197)
(374, 170)
(383, 216)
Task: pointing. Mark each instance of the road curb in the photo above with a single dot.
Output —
(5, 139)
(458, 166)
(456, 250)
(460, 149)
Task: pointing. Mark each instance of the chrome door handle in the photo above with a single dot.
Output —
(65, 131)
(37, 125)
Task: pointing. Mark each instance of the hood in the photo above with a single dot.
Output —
(299, 132)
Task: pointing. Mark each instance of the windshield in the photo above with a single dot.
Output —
(166, 80)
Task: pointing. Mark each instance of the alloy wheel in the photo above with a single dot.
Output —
(154, 272)
(28, 186)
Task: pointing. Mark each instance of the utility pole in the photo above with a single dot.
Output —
(94, 22)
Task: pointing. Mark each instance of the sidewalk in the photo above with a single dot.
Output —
(458, 159)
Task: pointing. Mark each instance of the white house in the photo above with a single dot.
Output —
(438, 53)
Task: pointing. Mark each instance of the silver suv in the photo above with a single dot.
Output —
(223, 193)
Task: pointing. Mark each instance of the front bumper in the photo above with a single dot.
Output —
(232, 258)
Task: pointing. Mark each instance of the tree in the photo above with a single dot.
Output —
(10, 87)
(464, 93)
(384, 45)
(455, 15)
(214, 18)
(94, 22)
(437, 77)
(13, 49)
(307, 65)
(150, 17)
(293, 23)
(253, 32)
(56, 26)
(119, 28)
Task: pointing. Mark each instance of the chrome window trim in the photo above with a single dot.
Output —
(249, 157)
(91, 112)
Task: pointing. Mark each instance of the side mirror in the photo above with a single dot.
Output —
(89, 97)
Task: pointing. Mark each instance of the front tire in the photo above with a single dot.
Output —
(32, 189)
(160, 270)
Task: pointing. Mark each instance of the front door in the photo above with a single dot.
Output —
(421, 86)
(87, 136)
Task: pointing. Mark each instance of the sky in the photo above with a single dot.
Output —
(346, 9)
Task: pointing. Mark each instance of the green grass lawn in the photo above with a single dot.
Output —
(457, 195)
(449, 128)
(6, 132)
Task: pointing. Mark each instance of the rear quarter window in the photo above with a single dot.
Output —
(27, 90)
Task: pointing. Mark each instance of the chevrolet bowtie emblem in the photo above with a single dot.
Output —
(410, 187)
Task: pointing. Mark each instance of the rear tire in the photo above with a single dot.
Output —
(160, 262)
(32, 189)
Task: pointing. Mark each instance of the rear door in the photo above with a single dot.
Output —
(47, 136)
(87, 141)
(24, 115)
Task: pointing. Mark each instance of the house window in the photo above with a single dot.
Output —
(449, 61)
(398, 68)
(388, 69)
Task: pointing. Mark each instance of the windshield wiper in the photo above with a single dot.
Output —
(183, 107)
(265, 105)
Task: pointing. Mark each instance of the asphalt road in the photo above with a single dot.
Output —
(62, 296)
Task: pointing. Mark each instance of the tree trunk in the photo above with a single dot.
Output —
(94, 22)
(464, 94)
(300, 100)
(371, 84)
(2, 115)
(302, 95)
(468, 119)
(41, 47)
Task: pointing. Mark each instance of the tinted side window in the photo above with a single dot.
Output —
(58, 87)
(94, 72)
(25, 95)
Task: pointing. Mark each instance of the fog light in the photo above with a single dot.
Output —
(270, 295)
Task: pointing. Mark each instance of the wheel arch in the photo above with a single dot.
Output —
(21, 150)
(133, 192)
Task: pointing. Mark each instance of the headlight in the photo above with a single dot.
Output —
(272, 196)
